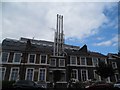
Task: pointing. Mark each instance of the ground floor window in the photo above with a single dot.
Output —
(96, 76)
(84, 75)
(14, 74)
(63, 76)
(42, 74)
(3, 69)
(30, 74)
(74, 74)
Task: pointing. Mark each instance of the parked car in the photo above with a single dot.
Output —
(101, 85)
(42, 84)
(117, 84)
(26, 84)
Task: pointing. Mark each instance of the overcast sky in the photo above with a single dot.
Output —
(91, 23)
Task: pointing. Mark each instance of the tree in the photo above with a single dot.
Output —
(104, 70)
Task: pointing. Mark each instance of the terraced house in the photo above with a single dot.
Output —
(36, 60)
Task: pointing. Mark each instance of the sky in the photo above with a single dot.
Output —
(92, 23)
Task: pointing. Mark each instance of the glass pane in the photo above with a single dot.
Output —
(32, 58)
(4, 57)
(43, 59)
(17, 58)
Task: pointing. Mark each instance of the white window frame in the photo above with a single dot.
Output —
(71, 60)
(104, 60)
(115, 65)
(59, 63)
(45, 60)
(98, 75)
(14, 57)
(7, 57)
(86, 74)
(55, 63)
(76, 73)
(39, 73)
(29, 59)
(81, 61)
(93, 61)
(3, 76)
(12, 70)
(27, 71)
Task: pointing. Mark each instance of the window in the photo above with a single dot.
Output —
(63, 76)
(74, 74)
(14, 74)
(96, 76)
(62, 62)
(84, 75)
(73, 60)
(103, 60)
(42, 74)
(114, 65)
(83, 60)
(17, 57)
(3, 70)
(89, 61)
(30, 74)
(95, 61)
(32, 58)
(53, 62)
(43, 59)
(5, 56)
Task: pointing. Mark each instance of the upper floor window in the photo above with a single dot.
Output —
(73, 60)
(114, 65)
(43, 59)
(52, 62)
(83, 60)
(14, 74)
(103, 60)
(30, 74)
(42, 74)
(95, 61)
(31, 58)
(5, 56)
(62, 62)
(17, 57)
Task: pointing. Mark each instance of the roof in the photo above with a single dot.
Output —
(96, 54)
(45, 47)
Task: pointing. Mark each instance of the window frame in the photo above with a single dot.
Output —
(3, 76)
(86, 74)
(81, 61)
(93, 61)
(45, 60)
(115, 65)
(7, 56)
(12, 71)
(15, 56)
(39, 74)
(59, 63)
(29, 59)
(55, 62)
(32, 74)
(96, 74)
(75, 60)
(76, 73)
